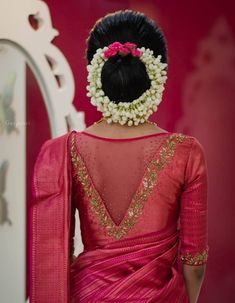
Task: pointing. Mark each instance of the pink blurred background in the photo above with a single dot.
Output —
(199, 100)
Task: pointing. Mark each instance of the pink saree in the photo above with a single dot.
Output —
(142, 205)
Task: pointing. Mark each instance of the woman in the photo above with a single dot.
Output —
(140, 190)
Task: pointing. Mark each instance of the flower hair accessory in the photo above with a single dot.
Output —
(122, 49)
(138, 110)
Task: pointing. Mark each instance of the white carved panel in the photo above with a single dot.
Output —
(26, 36)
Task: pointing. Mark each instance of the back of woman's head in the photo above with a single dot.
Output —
(124, 78)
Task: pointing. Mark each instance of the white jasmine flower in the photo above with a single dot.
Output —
(139, 109)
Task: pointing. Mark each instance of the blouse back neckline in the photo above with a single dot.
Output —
(124, 139)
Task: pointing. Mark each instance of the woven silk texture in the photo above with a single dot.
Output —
(142, 202)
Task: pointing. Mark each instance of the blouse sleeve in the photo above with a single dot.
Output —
(193, 209)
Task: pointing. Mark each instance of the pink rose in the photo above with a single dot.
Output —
(137, 53)
(130, 45)
(110, 52)
(124, 51)
(112, 49)
(115, 45)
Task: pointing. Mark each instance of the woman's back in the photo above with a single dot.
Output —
(128, 192)
(117, 168)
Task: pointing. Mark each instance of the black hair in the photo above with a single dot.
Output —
(124, 78)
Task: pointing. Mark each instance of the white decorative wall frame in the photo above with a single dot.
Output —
(26, 25)
(26, 35)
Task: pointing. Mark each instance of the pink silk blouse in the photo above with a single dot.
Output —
(142, 204)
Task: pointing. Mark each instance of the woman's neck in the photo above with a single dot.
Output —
(116, 130)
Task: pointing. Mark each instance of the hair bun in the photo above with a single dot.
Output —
(124, 58)
(119, 60)
(124, 78)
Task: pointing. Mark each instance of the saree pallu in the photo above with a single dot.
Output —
(50, 214)
(142, 269)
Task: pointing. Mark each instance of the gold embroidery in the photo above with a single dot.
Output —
(148, 182)
(195, 259)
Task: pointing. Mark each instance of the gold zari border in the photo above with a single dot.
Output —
(148, 182)
(195, 258)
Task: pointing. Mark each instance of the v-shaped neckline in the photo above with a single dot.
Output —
(142, 192)
(130, 204)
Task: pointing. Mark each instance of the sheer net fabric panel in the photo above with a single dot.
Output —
(116, 168)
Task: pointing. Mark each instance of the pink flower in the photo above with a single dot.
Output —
(123, 49)
(110, 52)
(130, 45)
(115, 45)
(137, 53)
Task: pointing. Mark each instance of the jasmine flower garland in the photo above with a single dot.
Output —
(138, 110)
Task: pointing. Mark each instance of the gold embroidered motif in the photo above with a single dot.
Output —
(148, 182)
(195, 259)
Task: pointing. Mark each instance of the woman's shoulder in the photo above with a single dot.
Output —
(186, 138)
(59, 140)
(50, 158)
(54, 149)
(189, 144)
